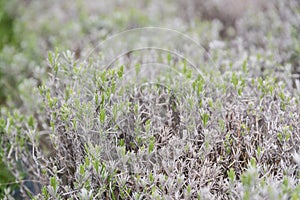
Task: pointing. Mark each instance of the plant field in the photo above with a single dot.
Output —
(150, 99)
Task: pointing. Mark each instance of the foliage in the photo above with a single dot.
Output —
(152, 130)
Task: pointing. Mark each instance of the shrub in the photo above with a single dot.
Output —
(133, 129)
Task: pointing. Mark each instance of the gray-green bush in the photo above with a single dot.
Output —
(89, 131)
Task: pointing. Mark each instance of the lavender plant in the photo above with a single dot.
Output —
(162, 130)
